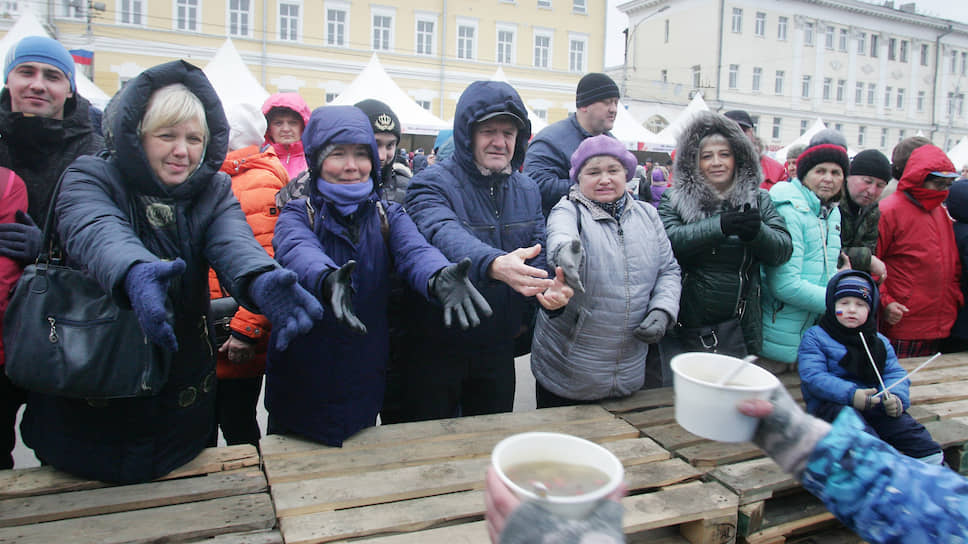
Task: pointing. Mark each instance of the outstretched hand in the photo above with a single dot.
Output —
(21, 240)
(338, 294)
(147, 288)
(569, 259)
(455, 292)
(558, 295)
(290, 308)
(511, 269)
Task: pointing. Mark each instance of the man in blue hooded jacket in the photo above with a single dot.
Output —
(477, 204)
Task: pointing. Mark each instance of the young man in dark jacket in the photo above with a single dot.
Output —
(44, 126)
(870, 172)
(476, 204)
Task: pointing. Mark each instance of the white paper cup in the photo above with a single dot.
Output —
(562, 448)
(709, 410)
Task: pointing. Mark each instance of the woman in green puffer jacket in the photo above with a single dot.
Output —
(722, 227)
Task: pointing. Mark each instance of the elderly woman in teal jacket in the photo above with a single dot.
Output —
(794, 293)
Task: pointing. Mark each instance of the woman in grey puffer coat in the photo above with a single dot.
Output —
(614, 252)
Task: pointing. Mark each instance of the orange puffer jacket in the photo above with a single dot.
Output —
(256, 178)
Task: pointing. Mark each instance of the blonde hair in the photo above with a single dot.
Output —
(172, 105)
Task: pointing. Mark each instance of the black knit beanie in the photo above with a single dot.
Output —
(871, 162)
(595, 87)
(820, 154)
(381, 116)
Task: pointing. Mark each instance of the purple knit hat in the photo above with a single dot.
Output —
(602, 145)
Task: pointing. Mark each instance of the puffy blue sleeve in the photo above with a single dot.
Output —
(816, 377)
(299, 249)
(414, 257)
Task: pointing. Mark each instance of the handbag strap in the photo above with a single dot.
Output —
(47, 246)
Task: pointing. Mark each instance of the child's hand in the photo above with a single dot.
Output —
(892, 405)
(864, 399)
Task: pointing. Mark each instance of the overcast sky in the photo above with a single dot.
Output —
(956, 10)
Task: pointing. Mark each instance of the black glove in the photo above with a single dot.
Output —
(568, 257)
(653, 327)
(21, 240)
(744, 223)
(455, 292)
(338, 293)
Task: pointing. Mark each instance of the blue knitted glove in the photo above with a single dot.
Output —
(21, 240)
(290, 308)
(147, 287)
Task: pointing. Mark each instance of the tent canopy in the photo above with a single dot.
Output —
(637, 137)
(29, 25)
(373, 82)
(803, 139)
(537, 124)
(675, 128)
(231, 78)
(959, 154)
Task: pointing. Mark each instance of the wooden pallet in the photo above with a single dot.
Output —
(423, 482)
(222, 493)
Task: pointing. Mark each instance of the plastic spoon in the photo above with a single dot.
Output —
(736, 370)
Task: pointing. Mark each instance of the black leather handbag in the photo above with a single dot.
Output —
(222, 310)
(63, 335)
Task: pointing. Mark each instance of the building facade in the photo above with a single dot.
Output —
(876, 73)
(431, 48)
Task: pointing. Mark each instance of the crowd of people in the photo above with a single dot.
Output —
(301, 245)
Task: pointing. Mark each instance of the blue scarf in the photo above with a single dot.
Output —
(345, 197)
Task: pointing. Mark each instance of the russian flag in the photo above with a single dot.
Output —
(82, 56)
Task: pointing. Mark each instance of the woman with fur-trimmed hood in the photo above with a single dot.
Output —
(722, 227)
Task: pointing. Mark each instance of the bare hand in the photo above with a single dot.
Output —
(511, 269)
(894, 312)
(558, 295)
(237, 351)
(878, 270)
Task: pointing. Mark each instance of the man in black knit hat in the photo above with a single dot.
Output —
(870, 172)
(549, 153)
(386, 130)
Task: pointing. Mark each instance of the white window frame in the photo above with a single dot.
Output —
(922, 98)
(757, 79)
(859, 93)
(828, 88)
(892, 49)
(875, 45)
(778, 81)
(344, 8)
(66, 10)
(696, 76)
(579, 6)
(841, 95)
(542, 33)
(904, 51)
(737, 21)
(861, 43)
(197, 19)
(888, 91)
(900, 98)
(782, 27)
(829, 35)
(733, 77)
(777, 128)
(861, 135)
(466, 22)
(871, 94)
(925, 54)
(759, 25)
(131, 3)
(884, 134)
(299, 21)
(391, 13)
(808, 34)
(544, 4)
(843, 40)
(573, 38)
(513, 47)
(804, 126)
(248, 20)
(424, 17)
(805, 85)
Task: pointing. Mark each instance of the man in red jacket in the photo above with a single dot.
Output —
(773, 170)
(921, 295)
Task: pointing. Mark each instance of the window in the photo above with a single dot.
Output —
(132, 12)
(901, 133)
(466, 40)
(425, 37)
(737, 20)
(757, 76)
(861, 132)
(954, 62)
(541, 114)
(578, 6)
(839, 127)
(544, 4)
(68, 8)
(781, 28)
(760, 29)
(921, 99)
(884, 137)
(778, 84)
(804, 125)
(841, 90)
(667, 31)
(949, 104)
(505, 46)
(900, 99)
(924, 54)
(288, 21)
(696, 76)
(903, 53)
(542, 50)
(733, 76)
(336, 27)
(808, 34)
(829, 34)
(887, 96)
(425, 104)
(382, 31)
(776, 128)
(842, 43)
(186, 15)
(859, 93)
(871, 93)
(961, 104)
(239, 17)
(874, 45)
(964, 63)
(576, 54)
(330, 97)
(664, 74)
(828, 83)
(891, 49)
(861, 43)
(805, 87)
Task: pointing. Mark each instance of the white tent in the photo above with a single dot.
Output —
(29, 25)
(373, 82)
(231, 78)
(959, 154)
(637, 137)
(537, 124)
(671, 132)
(803, 139)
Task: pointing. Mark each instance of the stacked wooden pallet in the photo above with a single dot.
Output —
(422, 482)
(221, 496)
(772, 506)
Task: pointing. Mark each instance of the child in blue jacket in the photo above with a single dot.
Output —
(837, 361)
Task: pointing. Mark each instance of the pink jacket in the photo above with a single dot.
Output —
(13, 197)
(291, 155)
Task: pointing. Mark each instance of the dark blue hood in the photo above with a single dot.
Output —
(832, 288)
(479, 99)
(958, 200)
(333, 125)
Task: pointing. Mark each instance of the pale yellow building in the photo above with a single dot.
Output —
(431, 48)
